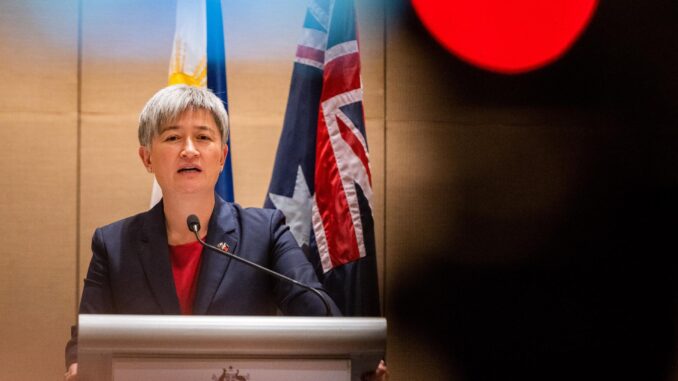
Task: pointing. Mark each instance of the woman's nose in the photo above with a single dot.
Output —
(189, 149)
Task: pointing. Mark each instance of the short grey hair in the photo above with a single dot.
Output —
(167, 104)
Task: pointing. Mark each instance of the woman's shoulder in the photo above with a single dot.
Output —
(251, 212)
(133, 222)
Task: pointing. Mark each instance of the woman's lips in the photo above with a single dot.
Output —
(190, 169)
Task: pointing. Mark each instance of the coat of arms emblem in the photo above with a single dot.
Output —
(231, 375)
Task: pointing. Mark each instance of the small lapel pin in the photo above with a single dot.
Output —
(223, 246)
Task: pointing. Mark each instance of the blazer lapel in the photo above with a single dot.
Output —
(222, 228)
(155, 258)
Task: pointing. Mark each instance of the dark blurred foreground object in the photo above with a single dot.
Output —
(603, 307)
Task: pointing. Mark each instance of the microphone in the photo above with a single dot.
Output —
(193, 223)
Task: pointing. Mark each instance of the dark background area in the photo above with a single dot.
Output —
(582, 286)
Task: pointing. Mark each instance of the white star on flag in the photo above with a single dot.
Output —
(297, 209)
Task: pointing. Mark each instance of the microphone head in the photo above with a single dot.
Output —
(193, 223)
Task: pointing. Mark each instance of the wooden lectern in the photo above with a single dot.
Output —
(228, 348)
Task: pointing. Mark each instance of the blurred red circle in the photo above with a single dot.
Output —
(507, 36)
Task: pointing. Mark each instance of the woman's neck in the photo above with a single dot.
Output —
(178, 208)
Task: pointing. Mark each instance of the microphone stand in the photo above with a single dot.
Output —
(195, 228)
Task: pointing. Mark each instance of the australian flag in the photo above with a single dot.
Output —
(321, 179)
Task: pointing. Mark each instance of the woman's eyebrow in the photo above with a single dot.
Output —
(168, 128)
(199, 127)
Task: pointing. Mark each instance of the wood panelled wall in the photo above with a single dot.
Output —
(38, 123)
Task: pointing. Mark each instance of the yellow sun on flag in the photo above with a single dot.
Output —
(178, 73)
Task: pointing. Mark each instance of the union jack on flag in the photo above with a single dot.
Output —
(321, 179)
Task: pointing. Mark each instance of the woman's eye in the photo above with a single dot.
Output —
(204, 137)
(171, 138)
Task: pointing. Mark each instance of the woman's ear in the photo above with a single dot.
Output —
(145, 156)
(223, 157)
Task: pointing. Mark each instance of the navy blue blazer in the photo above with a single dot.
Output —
(130, 271)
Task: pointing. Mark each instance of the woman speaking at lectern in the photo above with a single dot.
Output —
(151, 263)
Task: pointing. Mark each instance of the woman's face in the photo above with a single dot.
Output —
(187, 155)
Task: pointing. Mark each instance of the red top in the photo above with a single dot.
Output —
(185, 261)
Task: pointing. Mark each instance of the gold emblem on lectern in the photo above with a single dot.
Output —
(231, 375)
